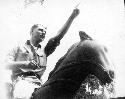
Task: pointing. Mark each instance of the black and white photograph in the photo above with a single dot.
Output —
(62, 49)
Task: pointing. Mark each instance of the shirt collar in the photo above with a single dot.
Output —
(35, 47)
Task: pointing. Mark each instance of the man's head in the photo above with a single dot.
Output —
(37, 33)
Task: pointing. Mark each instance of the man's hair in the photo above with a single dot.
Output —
(36, 26)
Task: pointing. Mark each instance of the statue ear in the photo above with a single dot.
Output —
(84, 36)
(81, 34)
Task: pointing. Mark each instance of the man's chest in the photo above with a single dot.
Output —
(28, 54)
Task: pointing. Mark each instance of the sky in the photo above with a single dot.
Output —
(101, 19)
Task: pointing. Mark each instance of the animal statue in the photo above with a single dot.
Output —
(83, 58)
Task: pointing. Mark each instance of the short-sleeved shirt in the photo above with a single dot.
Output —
(27, 52)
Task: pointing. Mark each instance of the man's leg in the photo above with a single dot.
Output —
(24, 88)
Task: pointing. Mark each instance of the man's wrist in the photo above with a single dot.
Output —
(72, 16)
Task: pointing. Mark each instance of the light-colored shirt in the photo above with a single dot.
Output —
(27, 52)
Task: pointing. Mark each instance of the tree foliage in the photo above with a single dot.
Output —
(92, 88)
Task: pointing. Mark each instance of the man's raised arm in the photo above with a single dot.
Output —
(55, 41)
(66, 26)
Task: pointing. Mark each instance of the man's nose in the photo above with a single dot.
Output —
(42, 35)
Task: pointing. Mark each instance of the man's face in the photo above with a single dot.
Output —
(38, 34)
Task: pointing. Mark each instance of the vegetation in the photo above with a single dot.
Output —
(92, 88)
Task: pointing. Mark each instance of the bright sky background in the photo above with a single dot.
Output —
(101, 19)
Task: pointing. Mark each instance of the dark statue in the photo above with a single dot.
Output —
(82, 59)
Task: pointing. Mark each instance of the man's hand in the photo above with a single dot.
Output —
(75, 12)
(33, 65)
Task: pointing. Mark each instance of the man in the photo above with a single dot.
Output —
(28, 62)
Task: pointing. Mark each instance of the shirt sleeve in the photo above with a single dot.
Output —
(51, 46)
(11, 56)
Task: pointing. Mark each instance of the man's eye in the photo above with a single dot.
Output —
(41, 30)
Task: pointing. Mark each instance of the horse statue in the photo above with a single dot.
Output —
(82, 59)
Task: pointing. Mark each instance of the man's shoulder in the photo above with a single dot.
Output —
(18, 46)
